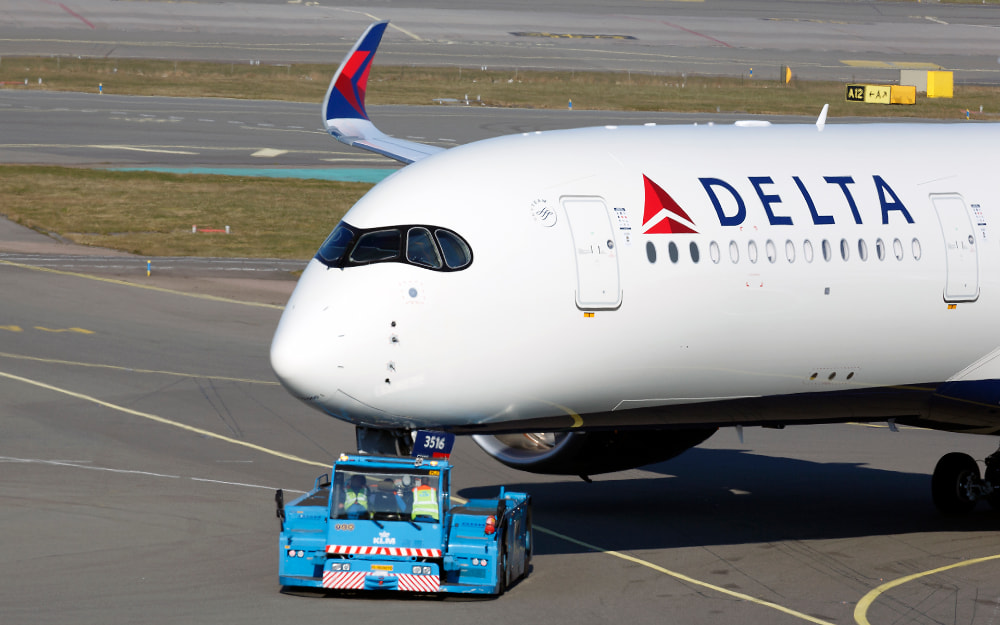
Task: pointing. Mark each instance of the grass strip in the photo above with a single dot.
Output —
(505, 88)
(151, 213)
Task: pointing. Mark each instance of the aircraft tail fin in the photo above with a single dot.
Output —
(344, 114)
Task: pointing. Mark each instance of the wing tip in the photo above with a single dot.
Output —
(345, 98)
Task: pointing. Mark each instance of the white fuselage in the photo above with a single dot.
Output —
(840, 267)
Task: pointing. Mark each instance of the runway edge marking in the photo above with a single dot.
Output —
(196, 376)
(158, 289)
(163, 420)
(684, 578)
(861, 610)
(595, 548)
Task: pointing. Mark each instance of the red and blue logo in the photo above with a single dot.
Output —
(661, 214)
(347, 94)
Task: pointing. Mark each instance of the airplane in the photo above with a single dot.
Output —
(597, 299)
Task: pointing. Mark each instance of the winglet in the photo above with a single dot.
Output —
(345, 99)
(344, 113)
(821, 122)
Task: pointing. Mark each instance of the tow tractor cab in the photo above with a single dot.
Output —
(387, 523)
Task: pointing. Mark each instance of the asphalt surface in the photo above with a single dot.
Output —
(130, 131)
(142, 431)
(836, 40)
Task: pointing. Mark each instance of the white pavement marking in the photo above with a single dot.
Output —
(269, 153)
(83, 464)
(137, 149)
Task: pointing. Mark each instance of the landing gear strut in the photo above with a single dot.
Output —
(956, 485)
(379, 442)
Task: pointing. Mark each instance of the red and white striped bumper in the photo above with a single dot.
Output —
(383, 551)
(344, 579)
(355, 580)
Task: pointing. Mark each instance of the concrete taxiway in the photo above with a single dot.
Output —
(142, 432)
(830, 40)
(134, 131)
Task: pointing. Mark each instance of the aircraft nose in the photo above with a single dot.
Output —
(293, 359)
(298, 357)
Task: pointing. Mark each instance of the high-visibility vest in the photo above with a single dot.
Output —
(425, 502)
(351, 498)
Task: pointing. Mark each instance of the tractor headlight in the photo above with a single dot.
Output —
(416, 570)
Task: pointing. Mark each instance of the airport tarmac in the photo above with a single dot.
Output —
(863, 41)
(142, 434)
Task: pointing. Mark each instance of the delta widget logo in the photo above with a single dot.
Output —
(661, 214)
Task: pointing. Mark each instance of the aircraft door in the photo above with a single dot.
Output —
(598, 283)
(962, 283)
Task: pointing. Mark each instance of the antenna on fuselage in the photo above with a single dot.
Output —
(821, 122)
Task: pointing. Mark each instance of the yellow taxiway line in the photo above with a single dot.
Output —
(272, 452)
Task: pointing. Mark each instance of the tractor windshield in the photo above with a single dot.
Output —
(384, 494)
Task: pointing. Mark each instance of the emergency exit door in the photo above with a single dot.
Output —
(961, 257)
(598, 283)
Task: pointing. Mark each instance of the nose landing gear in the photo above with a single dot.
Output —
(956, 485)
(381, 442)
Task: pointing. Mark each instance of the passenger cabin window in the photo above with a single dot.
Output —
(714, 252)
(444, 250)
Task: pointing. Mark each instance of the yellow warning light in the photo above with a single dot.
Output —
(587, 315)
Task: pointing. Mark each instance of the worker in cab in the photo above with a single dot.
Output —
(386, 499)
(356, 498)
(425, 501)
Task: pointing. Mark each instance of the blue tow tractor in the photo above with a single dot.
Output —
(389, 523)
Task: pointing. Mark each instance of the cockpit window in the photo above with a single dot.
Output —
(333, 249)
(420, 248)
(444, 250)
(378, 246)
(456, 252)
